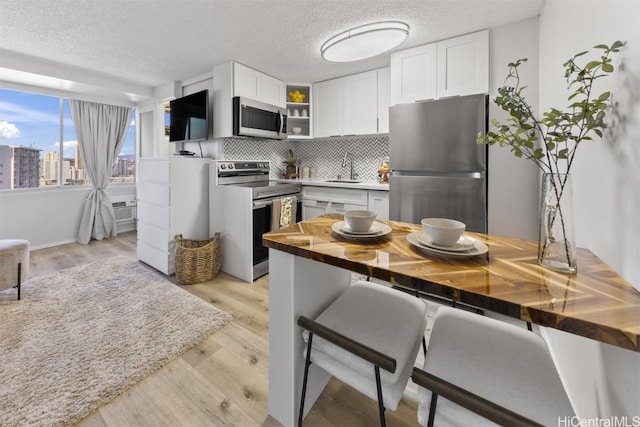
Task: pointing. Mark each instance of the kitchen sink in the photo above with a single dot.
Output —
(346, 181)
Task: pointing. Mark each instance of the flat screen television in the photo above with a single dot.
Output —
(188, 117)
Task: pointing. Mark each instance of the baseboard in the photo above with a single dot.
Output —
(130, 227)
(51, 244)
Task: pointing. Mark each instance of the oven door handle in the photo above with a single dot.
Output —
(262, 203)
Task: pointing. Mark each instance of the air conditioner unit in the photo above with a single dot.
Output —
(124, 208)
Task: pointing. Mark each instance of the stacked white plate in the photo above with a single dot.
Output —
(465, 247)
(377, 230)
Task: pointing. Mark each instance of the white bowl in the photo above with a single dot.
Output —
(359, 221)
(442, 231)
(296, 130)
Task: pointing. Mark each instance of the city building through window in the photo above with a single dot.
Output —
(39, 148)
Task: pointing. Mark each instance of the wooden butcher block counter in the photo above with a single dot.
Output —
(311, 264)
(595, 303)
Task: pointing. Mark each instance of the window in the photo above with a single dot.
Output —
(32, 142)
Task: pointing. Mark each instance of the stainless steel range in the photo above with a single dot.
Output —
(240, 207)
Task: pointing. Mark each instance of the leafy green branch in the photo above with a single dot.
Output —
(551, 142)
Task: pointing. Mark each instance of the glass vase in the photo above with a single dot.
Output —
(556, 246)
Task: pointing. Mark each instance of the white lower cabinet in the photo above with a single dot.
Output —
(314, 208)
(379, 203)
(317, 200)
(173, 198)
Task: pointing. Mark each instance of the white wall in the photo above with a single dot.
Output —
(47, 217)
(513, 182)
(602, 380)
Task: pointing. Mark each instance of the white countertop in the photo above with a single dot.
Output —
(323, 182)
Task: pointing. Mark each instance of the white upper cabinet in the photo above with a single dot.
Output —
(384, 95)
(414, 74)
(253, 84)
(463, 65)
(246, 82)
(234, 79)
(346, 106)
(453, 67)
(326, 106)
(360, 92)
(273, 91)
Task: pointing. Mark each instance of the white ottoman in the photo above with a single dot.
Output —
(14, 263)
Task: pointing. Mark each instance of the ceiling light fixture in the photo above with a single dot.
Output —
(364, 41)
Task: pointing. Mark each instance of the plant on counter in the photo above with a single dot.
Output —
(551, 143)
(291, 162)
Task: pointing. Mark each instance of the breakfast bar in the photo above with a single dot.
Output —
(311, 265)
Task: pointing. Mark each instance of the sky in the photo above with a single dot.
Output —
(32, 120)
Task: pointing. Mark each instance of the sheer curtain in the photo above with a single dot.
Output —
(100, 130)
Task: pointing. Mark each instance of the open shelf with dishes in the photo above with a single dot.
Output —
(299, 111)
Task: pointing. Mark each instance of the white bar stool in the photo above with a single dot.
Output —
(368, 338)
(485, 369)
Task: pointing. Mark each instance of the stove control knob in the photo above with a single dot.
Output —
(223, 166)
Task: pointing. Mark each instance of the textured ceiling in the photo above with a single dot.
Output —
(153, 42)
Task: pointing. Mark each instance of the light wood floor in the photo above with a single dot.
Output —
(223, 380)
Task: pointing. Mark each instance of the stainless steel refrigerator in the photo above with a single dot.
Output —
(438, 169)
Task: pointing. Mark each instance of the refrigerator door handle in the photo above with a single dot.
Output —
(477, 175)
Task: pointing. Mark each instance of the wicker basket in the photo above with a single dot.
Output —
(197, 261)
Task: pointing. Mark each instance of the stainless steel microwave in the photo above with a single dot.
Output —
(255, 118)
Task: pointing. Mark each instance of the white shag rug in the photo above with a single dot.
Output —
(82, 336)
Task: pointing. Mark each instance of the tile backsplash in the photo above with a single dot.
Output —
(325, 154)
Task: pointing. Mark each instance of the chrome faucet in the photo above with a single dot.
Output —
(352, 175)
